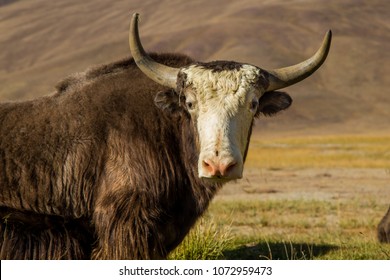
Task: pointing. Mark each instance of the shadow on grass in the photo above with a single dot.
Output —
(278, 251)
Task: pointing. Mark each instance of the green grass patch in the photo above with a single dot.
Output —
(287, 230)
(204, 242)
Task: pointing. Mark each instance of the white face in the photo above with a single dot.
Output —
(222, 105)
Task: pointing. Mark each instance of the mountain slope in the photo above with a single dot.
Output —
(41, 42)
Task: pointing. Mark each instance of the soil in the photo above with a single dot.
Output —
(311, 184)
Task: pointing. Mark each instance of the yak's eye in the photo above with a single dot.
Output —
(191, 104)
(253, 105)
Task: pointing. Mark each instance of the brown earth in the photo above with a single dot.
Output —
(330, 184)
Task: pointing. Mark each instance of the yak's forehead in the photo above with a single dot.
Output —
(220, 82)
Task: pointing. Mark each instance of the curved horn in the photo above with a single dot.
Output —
(287, 76)
(164, 75)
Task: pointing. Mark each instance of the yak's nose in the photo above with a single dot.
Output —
(221, 169)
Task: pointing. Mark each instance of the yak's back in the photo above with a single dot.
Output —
(56, 143)
(127, 66)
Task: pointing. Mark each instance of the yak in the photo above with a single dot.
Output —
(384, 228)
(121, 160)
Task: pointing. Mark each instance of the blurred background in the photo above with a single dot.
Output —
(41, 42)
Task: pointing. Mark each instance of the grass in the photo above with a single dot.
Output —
(324, 151)
(289, 230)
(296, 229)
(299, 229)
(204, 242)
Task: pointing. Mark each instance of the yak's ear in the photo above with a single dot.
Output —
(272, 102)
(168, 101)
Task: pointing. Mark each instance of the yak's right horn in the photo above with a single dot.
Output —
(159, 73)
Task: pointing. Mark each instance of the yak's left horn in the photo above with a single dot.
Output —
(159, 73)
(284, 77)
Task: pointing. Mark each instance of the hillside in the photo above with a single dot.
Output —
(42, 42)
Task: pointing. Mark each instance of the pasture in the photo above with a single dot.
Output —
(301, 198)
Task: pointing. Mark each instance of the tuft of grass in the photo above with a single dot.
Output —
(204, 242)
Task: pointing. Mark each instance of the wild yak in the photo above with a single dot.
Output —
(122, 159)
(384, 228)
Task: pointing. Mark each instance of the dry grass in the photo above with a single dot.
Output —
(287, 230)
(321, 151)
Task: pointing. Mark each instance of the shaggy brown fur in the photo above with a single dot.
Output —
(97, 170)
(384, 228)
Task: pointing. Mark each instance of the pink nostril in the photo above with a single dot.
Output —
(210, 167)
(225, 169)
(218, 169)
